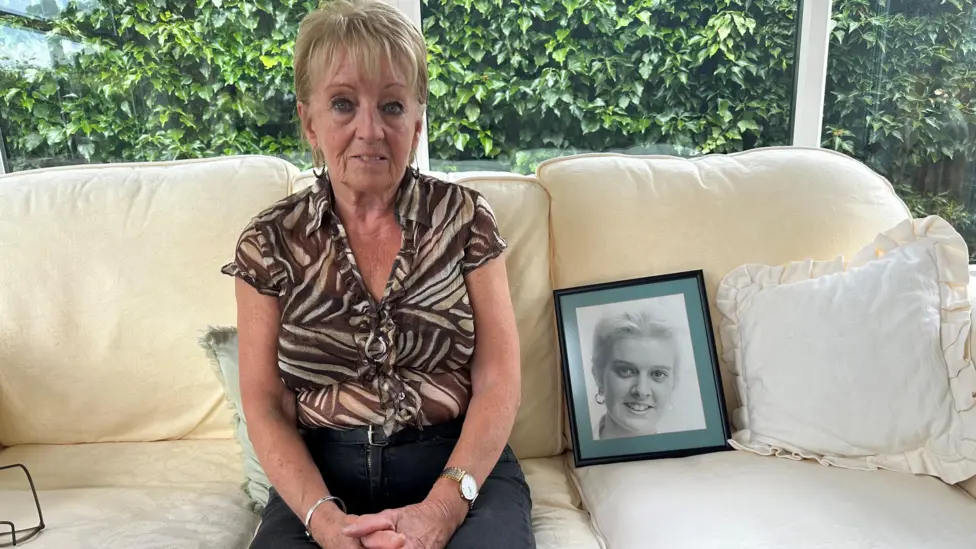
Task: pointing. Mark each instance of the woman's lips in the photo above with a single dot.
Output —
(369, 158)
(638, 408)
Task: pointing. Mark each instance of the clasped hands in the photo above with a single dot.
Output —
(426, 525)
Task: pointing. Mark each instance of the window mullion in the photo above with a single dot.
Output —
(4, 164)
(811, 72)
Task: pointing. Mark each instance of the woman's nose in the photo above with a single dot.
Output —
(641, 387)
(368, 126)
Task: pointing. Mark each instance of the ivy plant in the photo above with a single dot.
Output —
(513, 82)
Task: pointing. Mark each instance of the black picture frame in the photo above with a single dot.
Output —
(678, 335)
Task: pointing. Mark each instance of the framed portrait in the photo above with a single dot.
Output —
(640, 369)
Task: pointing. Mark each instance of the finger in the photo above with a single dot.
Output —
(384, 539)
(367, 524)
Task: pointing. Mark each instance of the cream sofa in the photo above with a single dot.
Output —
(109, 274)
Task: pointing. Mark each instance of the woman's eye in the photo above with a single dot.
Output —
(341, 104)
(625, 371)
(659, 375)
(393, 108)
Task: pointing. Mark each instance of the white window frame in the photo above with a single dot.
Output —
(810, 84)
(3, 155)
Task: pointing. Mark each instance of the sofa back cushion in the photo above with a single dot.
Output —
(521, 207)
(618, 217)
(108, 276)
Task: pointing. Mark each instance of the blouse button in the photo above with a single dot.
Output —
(401, 396)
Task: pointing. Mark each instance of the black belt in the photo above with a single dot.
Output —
(374, 435)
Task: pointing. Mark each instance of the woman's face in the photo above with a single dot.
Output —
(638, 383)
(366, 127)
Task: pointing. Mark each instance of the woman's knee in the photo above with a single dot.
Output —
(280, 528)
(502, 514)
(272, 536)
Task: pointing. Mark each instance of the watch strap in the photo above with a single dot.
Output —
(457, 475)
(453, 473)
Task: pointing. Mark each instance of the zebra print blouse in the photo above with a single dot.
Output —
(402, 361)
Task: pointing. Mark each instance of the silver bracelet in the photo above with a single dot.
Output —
(308, 516)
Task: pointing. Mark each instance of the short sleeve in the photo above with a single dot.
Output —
(484, 241)
(255, 263)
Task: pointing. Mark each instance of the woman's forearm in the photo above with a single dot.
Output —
(286, 460)
(487, 428)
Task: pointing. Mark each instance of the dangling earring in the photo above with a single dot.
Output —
(600, 399)
(315, 155)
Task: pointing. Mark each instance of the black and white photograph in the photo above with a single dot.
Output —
(640, 368)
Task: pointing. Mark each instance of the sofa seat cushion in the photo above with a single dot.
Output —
(213, 517)
(183, 494)
(736, 500)
(189, 494)
(557, 520)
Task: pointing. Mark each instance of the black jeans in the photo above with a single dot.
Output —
(400, 471)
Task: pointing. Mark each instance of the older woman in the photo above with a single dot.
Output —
(379, 359)
(635, 365)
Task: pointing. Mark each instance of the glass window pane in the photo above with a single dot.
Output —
(900, 83)
(40, 9)
(514, 83)
(119, 80)
(34, 125)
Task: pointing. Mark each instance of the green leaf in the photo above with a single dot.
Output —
(87, 150)
(48, 89)
(472, 111)
(487, 143)
(723, 32)
(589, 125)
(746, 125)
(438, 88)
(269, 61)
(53, 135)
(461, 140)
(32, 141)
(646, 70)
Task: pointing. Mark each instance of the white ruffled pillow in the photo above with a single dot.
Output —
(861, 365)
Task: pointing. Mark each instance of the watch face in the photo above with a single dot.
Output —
(469, 488)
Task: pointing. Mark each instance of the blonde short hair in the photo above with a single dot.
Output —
(643, 324)
(368, 30)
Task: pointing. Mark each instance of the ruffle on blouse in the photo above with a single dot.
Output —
(377, 333)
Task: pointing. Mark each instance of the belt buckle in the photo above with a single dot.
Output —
(369, 437)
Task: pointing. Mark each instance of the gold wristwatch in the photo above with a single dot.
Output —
(469, 487)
